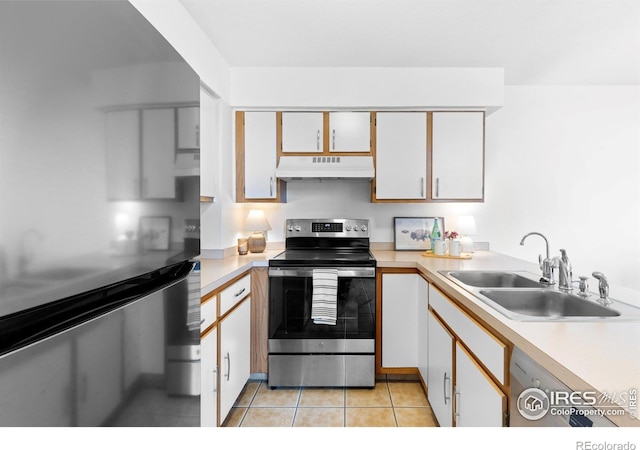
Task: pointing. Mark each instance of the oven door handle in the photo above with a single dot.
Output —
(343, 272)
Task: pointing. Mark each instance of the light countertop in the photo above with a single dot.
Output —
(600, 355)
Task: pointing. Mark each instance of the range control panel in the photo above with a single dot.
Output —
(327, 228)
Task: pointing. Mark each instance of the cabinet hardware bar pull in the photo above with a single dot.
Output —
(444, 388)
(270, 186)
(438, 187)
(202, 321)
(421, 186)
(457, 406)
(239, 292)
(215, 379)
(333, 144)
(228, 358)
(318, 140)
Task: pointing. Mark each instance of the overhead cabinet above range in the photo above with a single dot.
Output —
(326, 132)
(302, 132)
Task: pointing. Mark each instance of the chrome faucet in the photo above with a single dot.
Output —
(565, 272)
(546, 264)
(603, 288)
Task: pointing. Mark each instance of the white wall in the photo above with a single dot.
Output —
(564, 161)
(366, 87)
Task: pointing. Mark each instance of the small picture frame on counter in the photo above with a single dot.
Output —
(155, 232)
(414, 233)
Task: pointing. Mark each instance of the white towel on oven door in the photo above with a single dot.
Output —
(324, 301)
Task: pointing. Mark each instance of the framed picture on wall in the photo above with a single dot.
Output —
(155, 232)
(414, 233)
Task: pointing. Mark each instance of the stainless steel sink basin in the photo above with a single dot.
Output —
(492, 279)
(546, 303)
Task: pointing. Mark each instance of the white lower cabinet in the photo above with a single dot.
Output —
(440, 371)
(235, 355)
(400, 319)
(467, 367)
(478, 400)
(209, 377)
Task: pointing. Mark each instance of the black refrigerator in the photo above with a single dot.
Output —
(99, 219)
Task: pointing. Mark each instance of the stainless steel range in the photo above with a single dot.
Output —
(322, 320)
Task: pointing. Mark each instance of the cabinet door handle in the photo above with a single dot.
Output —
(438, 187)
(270, 186)
(444, 388)
(237, 294)
(198, 136)
(333, 140)
(215, 379)
(228, 358)
(202, 321)
(421, 186)
(318, 141)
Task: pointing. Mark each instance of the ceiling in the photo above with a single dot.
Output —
(593, 42)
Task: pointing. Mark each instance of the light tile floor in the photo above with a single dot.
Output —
(389, 404)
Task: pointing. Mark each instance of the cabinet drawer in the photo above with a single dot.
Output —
(208, 313)
(234, 293)
(484, 345)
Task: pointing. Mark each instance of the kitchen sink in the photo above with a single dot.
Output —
(492, 279)
(545, 303)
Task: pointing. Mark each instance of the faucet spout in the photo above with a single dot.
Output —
(546, 264)
(538, 234)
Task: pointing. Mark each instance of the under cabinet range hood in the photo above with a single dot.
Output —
(301, 168)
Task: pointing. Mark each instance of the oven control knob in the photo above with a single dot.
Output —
(348, 227)
(298, 228)
(290, 228)
(363, 228)
(355, 228)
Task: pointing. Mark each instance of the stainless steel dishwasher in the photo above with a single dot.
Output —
(539, 399)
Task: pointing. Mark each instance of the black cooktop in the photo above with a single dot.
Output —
(323, 258)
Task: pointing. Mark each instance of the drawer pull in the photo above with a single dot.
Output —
(237, 294)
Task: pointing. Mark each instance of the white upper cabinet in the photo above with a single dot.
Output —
(260, 155)
(302, 132)
(189, 127)
(350, 131)
(458, 156)
(401, 156)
